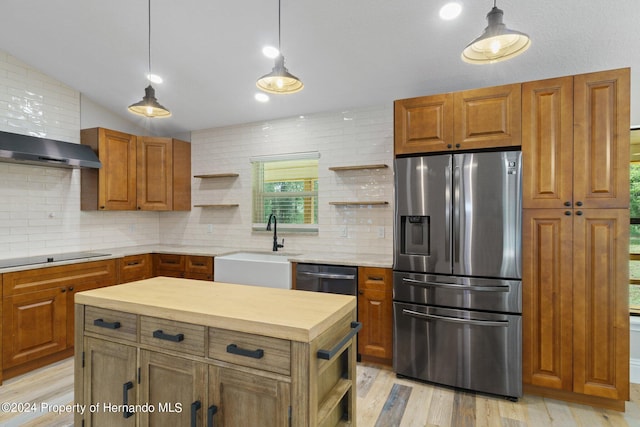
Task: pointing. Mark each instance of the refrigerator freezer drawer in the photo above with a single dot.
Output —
(467, 293)
(466, 349)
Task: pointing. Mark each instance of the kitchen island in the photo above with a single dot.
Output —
(168, 351)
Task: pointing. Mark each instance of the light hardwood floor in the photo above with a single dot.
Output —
(383, 401)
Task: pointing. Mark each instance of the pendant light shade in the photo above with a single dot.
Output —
(279, 80)
(497, 42)
(149, 106)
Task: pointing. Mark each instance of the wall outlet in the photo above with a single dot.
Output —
(380, 232)
(209, 228)
(343, 231)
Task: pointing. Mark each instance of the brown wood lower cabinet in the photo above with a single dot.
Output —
(375, 311)
(37, 312)
(183, 266)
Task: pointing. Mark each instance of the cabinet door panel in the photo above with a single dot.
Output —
(245, 399)
(117, 176)
(33, 325)
(601, 139)
(601, 303)
(547, 298)
(547, 143)
(487, 117)
(171, 385)
(108, 367)
(155, 174)
(423, 124)
(375, 311)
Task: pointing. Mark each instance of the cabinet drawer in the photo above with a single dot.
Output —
(201, 265)
(112, 323)
(172, 335)
(135, 267)
(169, 262)
(254, 351)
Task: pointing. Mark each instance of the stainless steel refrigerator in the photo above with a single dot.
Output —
(457, 270)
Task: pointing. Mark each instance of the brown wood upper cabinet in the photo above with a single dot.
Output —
(471, 119)
(138, 172)
(575, 141)
(487, 117)
(423, 124)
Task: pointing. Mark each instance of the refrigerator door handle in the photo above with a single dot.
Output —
(502, 288)
(447, 214)
(423, 316)
(456, 213)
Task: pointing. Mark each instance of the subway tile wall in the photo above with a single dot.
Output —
(40, 206)
(354, 137)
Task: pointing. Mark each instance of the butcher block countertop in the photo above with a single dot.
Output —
(280, 313)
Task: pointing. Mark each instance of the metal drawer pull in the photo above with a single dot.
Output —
(256, 354)
(328, 275)
(502, 323)
(501, 288)
(213, 409)
(198, 264)
(328, 354)
(195, 406)
(109, 325)
(125, 398)
(161, 335)
(133, 263)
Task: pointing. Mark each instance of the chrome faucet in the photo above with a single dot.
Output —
(276, 245)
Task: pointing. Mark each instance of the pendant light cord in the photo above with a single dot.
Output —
(279, 17)
(149, 10)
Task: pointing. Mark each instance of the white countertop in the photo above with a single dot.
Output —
(364, 260)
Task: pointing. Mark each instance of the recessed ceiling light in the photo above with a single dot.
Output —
(261, 97)
(270, 52)
(154, 78)
(450, 11)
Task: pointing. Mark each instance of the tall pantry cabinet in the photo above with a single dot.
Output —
(575, 143)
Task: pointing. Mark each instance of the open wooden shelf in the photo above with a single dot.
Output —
(219, 205)
(357, 167)
(217, 175)
(364, 202)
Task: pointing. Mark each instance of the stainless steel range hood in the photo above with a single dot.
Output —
(46, 152)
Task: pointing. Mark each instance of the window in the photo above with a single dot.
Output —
(634, 229)
(287, 186)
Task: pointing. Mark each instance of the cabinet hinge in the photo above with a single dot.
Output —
(290, 411)
(83, 367)
(82, 422)
(139, 370)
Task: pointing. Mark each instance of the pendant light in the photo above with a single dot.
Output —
(496, 43)
(279, 80)
(149, 106)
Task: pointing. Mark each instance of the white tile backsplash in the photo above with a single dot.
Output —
(40, 206)
(353, 137)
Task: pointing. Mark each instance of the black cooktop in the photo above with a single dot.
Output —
(42, 259)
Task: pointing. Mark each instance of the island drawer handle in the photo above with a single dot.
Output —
(328, 354)
(125, 398)
(195, 406)
(213, 409)
(161, 335)
(109, 325)
(234, 349)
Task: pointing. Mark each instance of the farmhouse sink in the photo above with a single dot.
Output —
(272, 270)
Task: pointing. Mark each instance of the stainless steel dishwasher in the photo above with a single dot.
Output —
(335, 279)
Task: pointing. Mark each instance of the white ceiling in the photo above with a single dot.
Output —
(348, 53)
